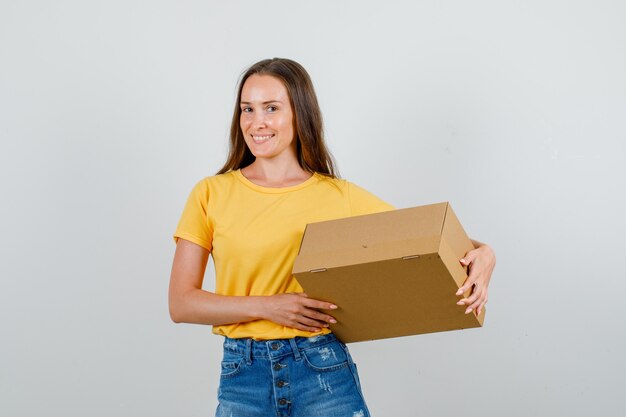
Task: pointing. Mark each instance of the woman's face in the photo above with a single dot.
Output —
(266, 118)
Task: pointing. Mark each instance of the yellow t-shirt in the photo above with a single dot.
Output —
(254, 233)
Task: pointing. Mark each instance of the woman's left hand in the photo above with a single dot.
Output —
(481, 262)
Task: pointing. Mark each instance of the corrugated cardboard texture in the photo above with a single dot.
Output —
(391, 274)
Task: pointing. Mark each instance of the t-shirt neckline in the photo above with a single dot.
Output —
(275, 190)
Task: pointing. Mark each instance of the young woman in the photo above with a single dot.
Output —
(280, 358)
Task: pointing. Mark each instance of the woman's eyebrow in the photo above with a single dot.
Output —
(265, 102)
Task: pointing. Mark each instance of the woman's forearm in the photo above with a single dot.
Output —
(295, 310)
(203, 307)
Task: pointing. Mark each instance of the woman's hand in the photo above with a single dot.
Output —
(297, 310)
(481, 262)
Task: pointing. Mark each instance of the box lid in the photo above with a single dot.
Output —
(373, 237)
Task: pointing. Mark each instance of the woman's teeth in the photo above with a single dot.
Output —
(262, 138)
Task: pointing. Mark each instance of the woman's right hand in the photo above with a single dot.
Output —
(297, 310)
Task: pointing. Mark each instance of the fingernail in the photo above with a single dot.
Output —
(469, 310)
(460, 303)
(459, 292)
(333, 321)
(333, 307)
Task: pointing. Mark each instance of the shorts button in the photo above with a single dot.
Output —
(275, 346)
(278, 367)
(282, 401)
(281, 384)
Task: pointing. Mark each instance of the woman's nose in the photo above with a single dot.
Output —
(258, 119)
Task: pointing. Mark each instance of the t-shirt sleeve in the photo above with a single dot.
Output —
(194, 223)
(364, 202)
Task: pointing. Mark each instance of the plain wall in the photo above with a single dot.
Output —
(512, 111)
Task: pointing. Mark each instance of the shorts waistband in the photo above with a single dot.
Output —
(275, 348)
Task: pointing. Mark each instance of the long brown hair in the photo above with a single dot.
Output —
(311, 150)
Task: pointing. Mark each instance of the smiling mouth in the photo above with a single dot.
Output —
(263, 138)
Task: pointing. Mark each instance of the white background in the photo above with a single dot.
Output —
(513, 111)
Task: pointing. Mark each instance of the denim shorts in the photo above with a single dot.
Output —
(299, 377)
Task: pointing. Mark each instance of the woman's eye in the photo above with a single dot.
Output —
(271, 108)
(246, 109)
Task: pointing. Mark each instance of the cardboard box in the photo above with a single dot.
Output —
(391, 274)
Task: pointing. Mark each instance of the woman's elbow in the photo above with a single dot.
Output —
(176, 310)
(175, 315)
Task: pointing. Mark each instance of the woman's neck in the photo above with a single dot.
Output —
(267, 174)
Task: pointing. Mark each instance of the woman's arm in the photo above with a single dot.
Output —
(189, 303)
(481, 262)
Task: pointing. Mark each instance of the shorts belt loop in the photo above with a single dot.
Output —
(294, 348)
(248, 352)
